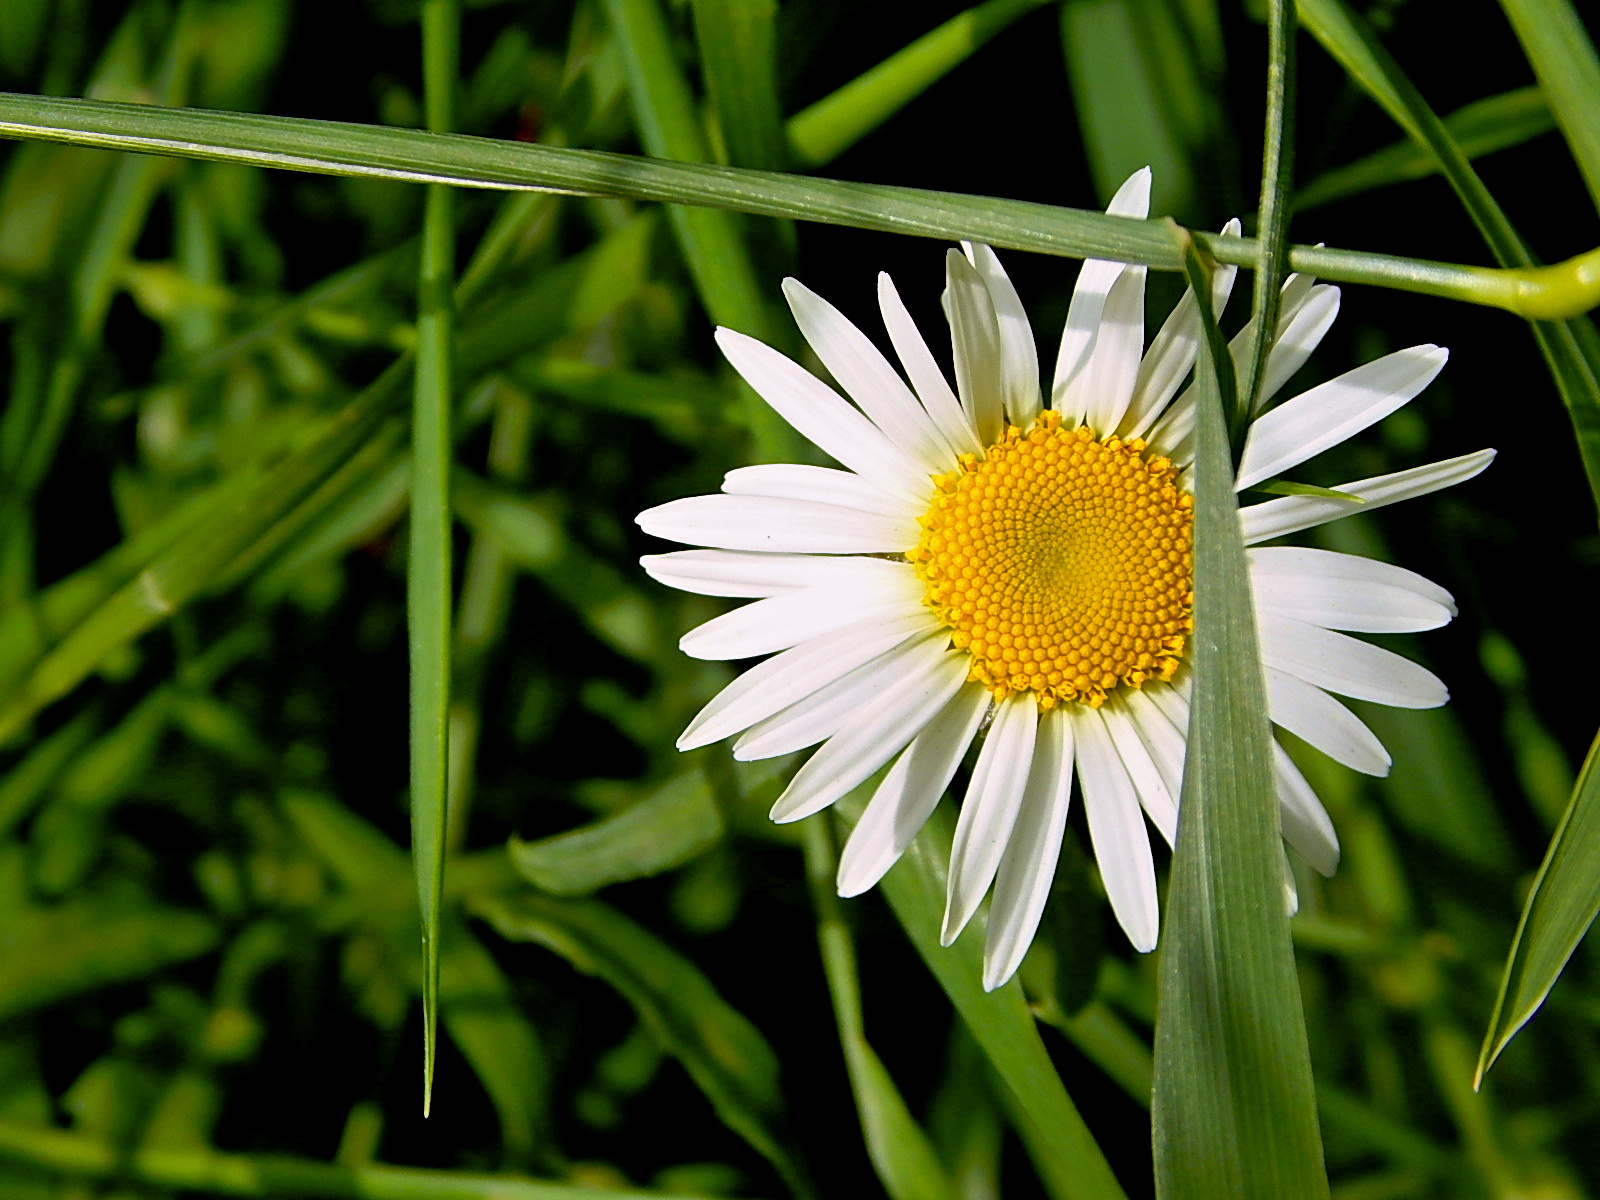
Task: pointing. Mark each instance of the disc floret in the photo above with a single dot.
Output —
(1062, 563)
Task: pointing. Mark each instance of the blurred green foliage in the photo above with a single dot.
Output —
(209, 952)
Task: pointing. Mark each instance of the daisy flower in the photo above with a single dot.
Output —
(989, 568)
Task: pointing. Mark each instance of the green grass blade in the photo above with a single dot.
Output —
(725, 1054)
(383, 152)
(1482, 127)
(1234, 1110)
(1064, 1153)
(1561, 906)
(901, 1154)
(428, 573)
(822, 131)
(1557, 44)
(738, 60)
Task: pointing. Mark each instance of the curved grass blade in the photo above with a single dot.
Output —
(1557, 44)
(822, 131)
(901, 1153)
(1482, 127)
(1561, 906)
(428, 569)
(1234, 1110)
(724, 1053)
(338, 148)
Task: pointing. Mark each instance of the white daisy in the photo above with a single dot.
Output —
(984, 558)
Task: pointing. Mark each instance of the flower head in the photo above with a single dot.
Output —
(987, 564)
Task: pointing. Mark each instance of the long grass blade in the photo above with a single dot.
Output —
(338, 148)
(428, 574)
(1561, 906)
(1563, 57)
(1234, 1110)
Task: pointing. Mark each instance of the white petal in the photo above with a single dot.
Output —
(1343, 591)
(855, 752)
(1028, 869)
(1312, 715)
(975, 344)
(785, 620)
(787, 678)
(1287, 514)
(1302, 324)
(1019, 356)
(1333, 411)
(910, 791)
(1113, 366)
(1117, 831)
(821, 485)
(1088, 303)
(1156, 782)
(952, 421)
(989, 810)
(1304, 821)
(771, 525)
(866, 376)
(740, 573)
(824, 417)
(829, 708)
(1172, 353)
(1347, 665)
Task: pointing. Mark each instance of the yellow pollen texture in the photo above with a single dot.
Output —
(1061, 563)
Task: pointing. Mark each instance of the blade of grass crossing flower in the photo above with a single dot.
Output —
(378, 152)
(1064, 1153)
(1570, 346)
(428, 575)
(1561, 906)
(1557, 44)
(824, 130)
(1272, 215)
(1234, 1109)
(901, 1154)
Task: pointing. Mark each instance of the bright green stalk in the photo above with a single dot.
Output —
(1272, 219)
(428, 564)
(337, 148)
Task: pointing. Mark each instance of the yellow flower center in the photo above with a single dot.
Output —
(1061, 563)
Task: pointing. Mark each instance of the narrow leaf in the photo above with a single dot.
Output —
(428, 570)
(1234, 1110)
(1561, 906)
(1557, 44)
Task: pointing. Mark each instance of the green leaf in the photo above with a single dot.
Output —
(1482, 127)
(675, 823)
(1560, 908)
(723, 1052)
(1234, 1109)
(901, 1153)
(1557, 44)
(824, 130)
(738, 60)
(389, 153)
(1070, 1164)
(428, 562)
(1285, 487)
